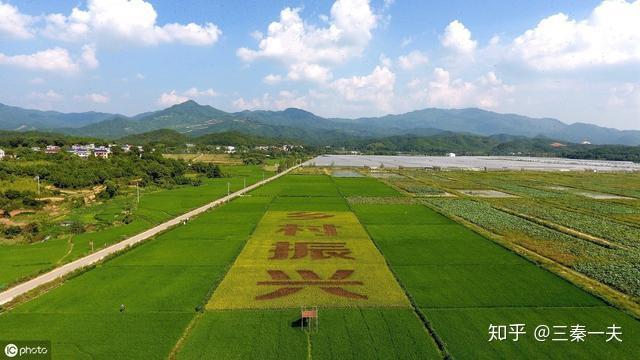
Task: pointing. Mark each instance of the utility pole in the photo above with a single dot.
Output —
(138, 191)
(245, 183)
(38, 180)
(228, 188)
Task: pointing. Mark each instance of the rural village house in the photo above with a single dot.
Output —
(52, 149)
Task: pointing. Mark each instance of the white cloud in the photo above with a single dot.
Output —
(132, 21)
(94, 98)
(283, 100)
(257, 35)
(458, 38)
(55, 60)
(309, 72)
(48, 96)
(385, 60)
(272, 79)
(88, 57)
(406, 41)
(611, 35)
(13, 23)
(375, 88)
(139, 76)
(195, 93)
(412, 60)
(36, 81)
(309, 50)
(173, 97)
(251, 104)
(442, 90)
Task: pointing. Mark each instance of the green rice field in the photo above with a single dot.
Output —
(456, 284)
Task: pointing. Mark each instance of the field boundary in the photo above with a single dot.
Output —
(440, 344)
(93, 258)
(608, 294)
(602, 291)
(194, 322)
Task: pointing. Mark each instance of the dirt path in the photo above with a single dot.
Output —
(20, 289)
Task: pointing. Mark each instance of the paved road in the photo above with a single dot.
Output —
(93, 258)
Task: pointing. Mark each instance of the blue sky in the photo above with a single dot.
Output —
(572, 60)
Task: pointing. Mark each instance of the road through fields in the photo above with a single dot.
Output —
(20, 289)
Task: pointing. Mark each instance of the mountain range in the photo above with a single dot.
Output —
(193, 119)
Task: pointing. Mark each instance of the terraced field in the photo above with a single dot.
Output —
(393, 279)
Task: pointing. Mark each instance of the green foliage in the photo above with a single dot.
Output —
(27, 139)
(162, 136)
(67, 171)
(253, 158)
(210, 170)
(110, 191)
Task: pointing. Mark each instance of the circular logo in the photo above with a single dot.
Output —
(11, 350)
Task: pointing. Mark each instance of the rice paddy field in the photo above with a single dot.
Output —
(19, 261)
(392, 275)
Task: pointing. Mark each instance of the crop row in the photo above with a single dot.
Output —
(617, 268)
(594, 225)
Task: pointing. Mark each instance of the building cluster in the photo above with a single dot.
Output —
(86, 150)
(227, 149)
(285, 147)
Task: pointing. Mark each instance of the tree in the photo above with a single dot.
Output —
(110, 191)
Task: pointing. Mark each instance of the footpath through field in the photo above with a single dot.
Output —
(20, 289)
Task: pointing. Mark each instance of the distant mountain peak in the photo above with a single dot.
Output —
(192, 118)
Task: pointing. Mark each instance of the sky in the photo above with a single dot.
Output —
(577, 61)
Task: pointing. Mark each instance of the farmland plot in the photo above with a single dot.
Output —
(160, 283)
(23, 260)
(307, 258)
(463, 283)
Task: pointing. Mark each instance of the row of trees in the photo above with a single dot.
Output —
(70, 172)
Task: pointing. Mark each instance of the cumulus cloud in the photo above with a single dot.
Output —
(13, 23)
(282, 100)
(442, 90)
(173, 97)
(272, 79)
(375, 88)
(195, 93)
(88, 57)
(48, 96)
(412, 60)
(308, 50)
(310, 72)
(131, 21)
(94, 98)
(56, 60)
(610, 35)
(457, 37)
